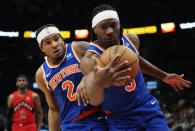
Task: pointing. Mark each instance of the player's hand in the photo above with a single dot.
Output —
(81, 94)
(111, 73)
(176, 81)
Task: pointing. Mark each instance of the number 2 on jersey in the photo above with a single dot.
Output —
(70, 87)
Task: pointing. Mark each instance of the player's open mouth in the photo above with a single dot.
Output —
(56, 51)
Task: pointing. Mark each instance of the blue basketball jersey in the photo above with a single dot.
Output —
(63, 80)
(127, 97)
(131, 107)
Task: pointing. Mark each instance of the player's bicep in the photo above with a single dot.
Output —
(81, 47)
(10, 101)
(51, 101)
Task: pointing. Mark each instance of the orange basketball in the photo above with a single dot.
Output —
(125, 54)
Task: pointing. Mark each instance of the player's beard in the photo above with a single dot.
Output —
(22, 88)
(61, 55)
(113, 41)
(105, 43)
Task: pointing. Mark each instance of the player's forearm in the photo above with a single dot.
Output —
(54, 120)
(85, 68)
(150, 69)
(39, 120)
(95, 93)
(9, 119)
(87, 63)
(96, 96)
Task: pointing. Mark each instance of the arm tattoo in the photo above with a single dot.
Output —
(82, 47)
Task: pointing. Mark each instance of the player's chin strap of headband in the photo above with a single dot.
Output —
(45, 32)
(107, 14)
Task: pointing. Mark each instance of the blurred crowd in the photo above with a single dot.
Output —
(182, 120)
(180, 114)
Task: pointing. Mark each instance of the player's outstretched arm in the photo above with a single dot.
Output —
(54, 111)
(176, 81)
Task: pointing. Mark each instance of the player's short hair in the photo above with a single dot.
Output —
(21, 76)
(97, 10)
(101, 8)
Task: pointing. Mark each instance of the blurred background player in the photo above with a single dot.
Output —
(59, 77)
(24, 108)
(129, 107)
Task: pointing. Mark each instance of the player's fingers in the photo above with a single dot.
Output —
(83, 98)
(122, 78)
(121, 66)
(114, 61)
(78, 97)
(182, 75)
(185, 84)
(84, 101)
(175, 88)
(87, 99)
(179, 87)
(121, 73)
(85, 95)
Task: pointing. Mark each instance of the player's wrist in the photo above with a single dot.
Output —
(164, 76)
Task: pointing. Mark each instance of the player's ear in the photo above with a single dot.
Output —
(95, 30)
(41, 47)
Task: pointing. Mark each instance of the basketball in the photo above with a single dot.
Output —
(125, 54)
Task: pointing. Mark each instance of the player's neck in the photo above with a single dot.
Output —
(22, 92)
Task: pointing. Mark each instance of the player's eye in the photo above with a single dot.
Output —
(103, 27)
(56, 38)
(113, 25)
(47, 42)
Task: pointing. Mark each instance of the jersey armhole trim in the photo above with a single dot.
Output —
(45, 81)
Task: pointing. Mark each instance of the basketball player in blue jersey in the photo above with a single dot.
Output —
(130, 107)
(58, 77)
